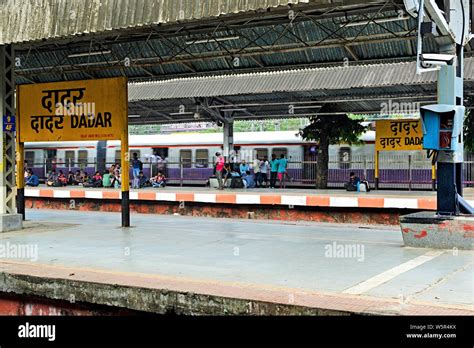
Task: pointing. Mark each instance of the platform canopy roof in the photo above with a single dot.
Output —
(290, 93)
(212, 56)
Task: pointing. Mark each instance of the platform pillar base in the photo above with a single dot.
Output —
(429, 230)
(11, 222)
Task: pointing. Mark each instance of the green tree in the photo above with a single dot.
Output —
(329, 130)
(469, 126)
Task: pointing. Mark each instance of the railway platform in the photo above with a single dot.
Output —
(379, 207)
(175, 264)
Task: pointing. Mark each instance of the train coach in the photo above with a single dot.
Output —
(188, 157)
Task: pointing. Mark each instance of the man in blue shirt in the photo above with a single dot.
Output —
(249, 180)
(282, 164)
(32, 179)
(137, 166)
(244, 167)
(273, 171)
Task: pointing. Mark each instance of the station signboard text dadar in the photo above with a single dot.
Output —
(86, 110)
(399, 135)
(72, 111)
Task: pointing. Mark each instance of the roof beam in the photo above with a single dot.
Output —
(151, 62)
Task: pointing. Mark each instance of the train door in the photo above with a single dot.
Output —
(51, 159)
(160, 164)
(101, 156)
(309, 166)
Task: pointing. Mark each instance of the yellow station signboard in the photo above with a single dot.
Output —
(73, 111)
(399, 135)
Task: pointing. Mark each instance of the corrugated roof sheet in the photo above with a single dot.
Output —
(30, 20)
(332, 78)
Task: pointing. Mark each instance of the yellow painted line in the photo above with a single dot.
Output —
(384, 277)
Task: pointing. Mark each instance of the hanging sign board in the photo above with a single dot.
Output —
(73, 111)
(399, 135)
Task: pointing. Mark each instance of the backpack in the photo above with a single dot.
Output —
(237, 183)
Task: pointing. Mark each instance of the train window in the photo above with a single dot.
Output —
(82, 158)
(344, 157)
(30, 158)
(202, 158)
(69, 157)
(161, 151)
(280, 151)
(186, 157)
(118, 158)
(261, 153)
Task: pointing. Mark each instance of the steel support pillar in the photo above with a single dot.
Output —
(9, 219)
(450, 91)
(229, 139)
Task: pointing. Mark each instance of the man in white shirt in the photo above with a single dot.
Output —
(256, 171)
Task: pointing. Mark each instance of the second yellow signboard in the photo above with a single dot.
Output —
(399, 135)
(72, 111)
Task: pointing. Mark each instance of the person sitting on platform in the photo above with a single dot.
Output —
(95, 181)
(107, 179)
(32, 179)
(71, 178)
(52, 179)
(159, 180)
(117, 179)
(249, 181)
(143, 180)
(62, 178)
(79, 177)
(354, 181)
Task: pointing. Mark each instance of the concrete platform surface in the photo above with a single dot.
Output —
(345, 268)
(418, 200)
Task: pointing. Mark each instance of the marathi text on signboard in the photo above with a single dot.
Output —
(72, 111)
(399, 135)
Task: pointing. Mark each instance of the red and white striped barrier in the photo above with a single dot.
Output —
(258, 198)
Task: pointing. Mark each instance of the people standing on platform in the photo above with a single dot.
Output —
(32, 179)
(137, 166)
(220, 163)
(227, 173)
(273, 171)
(282, 170)
(264, 166)
(256, 170)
